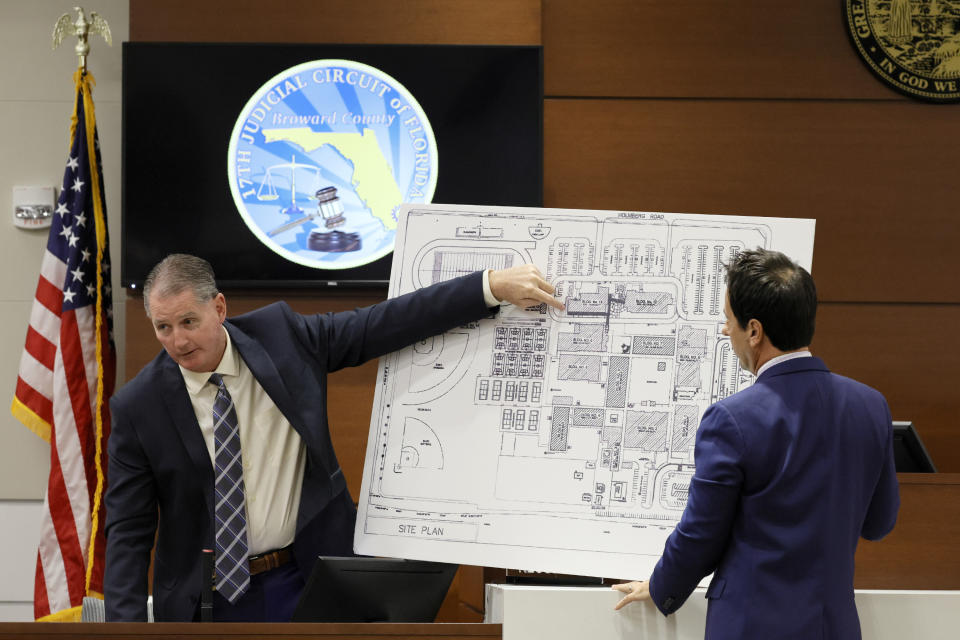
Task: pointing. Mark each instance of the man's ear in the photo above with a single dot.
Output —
(754, 332)
(220, 303)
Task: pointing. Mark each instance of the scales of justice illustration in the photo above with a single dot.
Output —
(329, 209)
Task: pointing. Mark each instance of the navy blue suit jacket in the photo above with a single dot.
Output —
(790, 472)
(160, 473)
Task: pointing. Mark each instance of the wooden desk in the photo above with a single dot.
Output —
(240, 631)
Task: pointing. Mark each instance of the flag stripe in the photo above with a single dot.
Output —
(46, 322)
(35, 401)
(69, 413)
(38, 375)
(35, 373)
(77, 385)
(85, 337)
(43, 351)
(53, 269)
(49, 563)
(40, 600)
(66, 544)
(76, 334)
(49, 295)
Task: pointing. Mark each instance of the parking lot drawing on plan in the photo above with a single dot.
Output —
(548, 440)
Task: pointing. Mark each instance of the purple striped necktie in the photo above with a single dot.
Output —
(232, 569)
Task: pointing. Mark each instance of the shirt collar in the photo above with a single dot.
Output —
(783, 358)
(195, 380)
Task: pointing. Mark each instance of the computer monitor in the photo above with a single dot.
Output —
(909, 454)
(374, 590)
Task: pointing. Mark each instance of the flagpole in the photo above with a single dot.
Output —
(84, 81)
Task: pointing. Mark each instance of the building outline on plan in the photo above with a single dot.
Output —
(556, 440)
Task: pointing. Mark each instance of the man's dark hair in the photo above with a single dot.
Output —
(778, 292)
(177, 273)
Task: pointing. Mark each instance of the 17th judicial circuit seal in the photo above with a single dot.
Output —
(321, 158)
(912, 45)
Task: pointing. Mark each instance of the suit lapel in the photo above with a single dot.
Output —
(185, 420)
(265, 372)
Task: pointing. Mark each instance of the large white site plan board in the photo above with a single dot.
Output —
(547, 440)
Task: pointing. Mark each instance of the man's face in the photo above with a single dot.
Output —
(190, 331)
(739, 338)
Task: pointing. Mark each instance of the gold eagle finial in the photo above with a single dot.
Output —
(81, 28)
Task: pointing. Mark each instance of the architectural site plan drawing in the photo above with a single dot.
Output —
(557, 441)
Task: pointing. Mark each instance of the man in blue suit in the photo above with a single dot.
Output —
(790, 473)
(257, 382)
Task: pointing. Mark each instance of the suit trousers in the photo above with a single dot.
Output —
(271, 597)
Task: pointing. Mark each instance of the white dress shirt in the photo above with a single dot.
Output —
(783, 358)
(273, 454)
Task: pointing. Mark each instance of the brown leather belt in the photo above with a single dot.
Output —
(270, 560)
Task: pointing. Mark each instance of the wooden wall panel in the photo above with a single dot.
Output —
(921, 551)
(880, 185)
(910, 354)
(337, 21)
(703, 48)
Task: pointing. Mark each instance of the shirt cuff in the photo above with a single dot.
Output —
(487, 294)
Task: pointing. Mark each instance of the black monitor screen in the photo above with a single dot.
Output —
(285, 164)
(374, 590)
(909, 454)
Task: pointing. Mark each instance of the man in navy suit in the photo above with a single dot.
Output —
(790, 473)
(273, 365)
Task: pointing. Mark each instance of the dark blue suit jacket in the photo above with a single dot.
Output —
(160, 473)
(790, 472)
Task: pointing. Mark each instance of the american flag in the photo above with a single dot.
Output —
(67, 375)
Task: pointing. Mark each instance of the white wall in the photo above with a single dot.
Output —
(36, 101)
(18, 545)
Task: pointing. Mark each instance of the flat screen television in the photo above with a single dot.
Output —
(274, 161)
(374, 590)
(909, 454)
